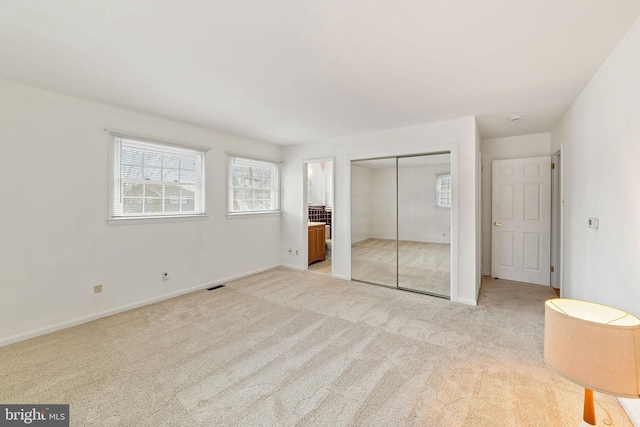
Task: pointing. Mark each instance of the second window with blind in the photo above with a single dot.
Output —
(253, 185)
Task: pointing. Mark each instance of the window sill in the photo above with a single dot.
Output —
(237, 215)
(156, 219)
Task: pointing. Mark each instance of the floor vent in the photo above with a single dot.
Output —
(215, 287)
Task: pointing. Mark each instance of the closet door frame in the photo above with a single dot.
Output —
(451, 149)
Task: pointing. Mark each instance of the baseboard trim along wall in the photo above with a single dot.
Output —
(63, 325)
(466, 301)
(292, 267)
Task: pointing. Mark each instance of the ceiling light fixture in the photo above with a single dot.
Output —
(515, 118)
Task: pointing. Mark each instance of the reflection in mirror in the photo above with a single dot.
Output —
(401, 222)
(424, 224)
(373, 214)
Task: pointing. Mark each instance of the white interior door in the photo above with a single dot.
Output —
(521, 219)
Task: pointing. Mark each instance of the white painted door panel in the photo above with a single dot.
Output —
(521, 219)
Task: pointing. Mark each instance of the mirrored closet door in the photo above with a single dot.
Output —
(424, 224)
(401, 222)
(374, 248)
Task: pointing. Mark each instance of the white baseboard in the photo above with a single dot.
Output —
(632, 408)
(467, 301)
(292, 267)
(80, 320)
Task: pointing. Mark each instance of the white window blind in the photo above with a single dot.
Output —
(443, 191)
(151, 179)
(254, 185)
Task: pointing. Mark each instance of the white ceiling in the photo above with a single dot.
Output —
(296, 71)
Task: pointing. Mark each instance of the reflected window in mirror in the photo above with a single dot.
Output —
(443, 191)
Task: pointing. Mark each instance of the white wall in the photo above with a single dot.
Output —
(600, 134)
(458, 136)
(515, 147)
(56, 243)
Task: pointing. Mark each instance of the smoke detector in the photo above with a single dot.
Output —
(515, 117)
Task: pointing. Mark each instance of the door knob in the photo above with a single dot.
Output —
(497, 224)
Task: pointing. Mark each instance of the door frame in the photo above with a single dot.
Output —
(556, 221)
(305, 209)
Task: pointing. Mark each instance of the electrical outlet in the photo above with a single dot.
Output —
(165, 275)
(97, 289)
(297, 252)
(593, 223)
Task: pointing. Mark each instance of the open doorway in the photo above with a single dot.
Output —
(318, 209)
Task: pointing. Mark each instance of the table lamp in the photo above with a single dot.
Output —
(595, 346)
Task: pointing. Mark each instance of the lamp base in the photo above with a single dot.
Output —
(589, 414)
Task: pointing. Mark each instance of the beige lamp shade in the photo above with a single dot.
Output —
(593, 345)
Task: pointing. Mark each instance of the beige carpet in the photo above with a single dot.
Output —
(286, 348)
(322, 267)
(423, 267)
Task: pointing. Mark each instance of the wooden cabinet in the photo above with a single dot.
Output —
(316, 243)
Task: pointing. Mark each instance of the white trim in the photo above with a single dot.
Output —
(156, 219)
(455, 228)
(467, 301)
(292, 267)
(85, 319)
(562, 228)
(252, 214)
(160, 141)
(252, 157)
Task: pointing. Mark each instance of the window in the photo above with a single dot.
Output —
(254, 185)
(443, 191)
(152, 179)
